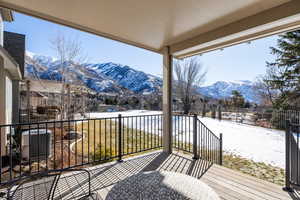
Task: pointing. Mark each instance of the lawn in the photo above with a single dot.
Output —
(101, 140)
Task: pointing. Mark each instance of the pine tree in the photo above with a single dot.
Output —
(286, 67)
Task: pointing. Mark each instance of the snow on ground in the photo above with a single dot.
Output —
(123, 113)
(252, 142)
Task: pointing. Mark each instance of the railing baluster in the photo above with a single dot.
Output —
(105, 139)
(136, 132)
(189, 138)
(100, 141)
(10, 153)
(132, 144)
(88, 141)
(69, 143)
(94, 158)
(47, 144)
(127, 134)
(140, 128)
(20, 146)
(76, 143)
(144, 134)
(119, 137)
(38, 129)
(110, 137)
(194, 137)
(1, 127)
(61, 145)
(29, 143)
(82, 141)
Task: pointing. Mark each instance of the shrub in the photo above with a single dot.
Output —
(41, 109)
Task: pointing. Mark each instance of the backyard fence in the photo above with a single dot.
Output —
(35, 147)
(292, 155)
(265, 118)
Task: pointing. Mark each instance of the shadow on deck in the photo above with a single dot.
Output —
(227, 183)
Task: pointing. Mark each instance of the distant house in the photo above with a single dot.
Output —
(12, 50)
(46, 92)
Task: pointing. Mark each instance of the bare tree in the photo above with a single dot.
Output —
(265, 89)
(189, 74)
(69, 53)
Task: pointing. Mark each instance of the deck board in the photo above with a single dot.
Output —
(227, 183)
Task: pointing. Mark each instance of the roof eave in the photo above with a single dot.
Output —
(7, 15)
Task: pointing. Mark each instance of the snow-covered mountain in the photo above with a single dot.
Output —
(112, 77)
(101, 77)
(223, 89)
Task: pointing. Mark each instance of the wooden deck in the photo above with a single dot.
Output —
(228, 184)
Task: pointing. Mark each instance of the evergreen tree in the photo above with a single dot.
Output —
(286, 67)
(237, 99)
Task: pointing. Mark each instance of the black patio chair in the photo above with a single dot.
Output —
(53, 185)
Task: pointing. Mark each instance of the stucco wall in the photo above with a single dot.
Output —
(8, 99)
(1, 31)
(2, 106)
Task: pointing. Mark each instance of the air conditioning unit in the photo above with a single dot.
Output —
(36, 144)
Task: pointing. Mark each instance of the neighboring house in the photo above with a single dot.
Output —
(12, 50)
(46, 93)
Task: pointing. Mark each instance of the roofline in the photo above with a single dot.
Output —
(283, 18)
(75, 26)
(7, 14)
(11, 65)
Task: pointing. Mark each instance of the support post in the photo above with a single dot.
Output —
(221, 149)
(120, 138)
(167, 101)
(287, 156)
(195, 152)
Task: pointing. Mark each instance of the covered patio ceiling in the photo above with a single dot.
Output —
(187, 27)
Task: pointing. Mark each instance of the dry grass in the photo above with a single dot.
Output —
(257, 169)
(101, 139)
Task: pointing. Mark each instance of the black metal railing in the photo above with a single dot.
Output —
(31, 148)
(191, 135)
(34, 147)
(292, 155)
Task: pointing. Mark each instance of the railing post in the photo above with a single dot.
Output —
(221, 149)
(120, 138)
(195, 152)
(287, 156)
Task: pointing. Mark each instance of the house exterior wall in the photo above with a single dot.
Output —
(6, 104)
(8, 99)
(14, 44)
(2, 106)
(1, 30)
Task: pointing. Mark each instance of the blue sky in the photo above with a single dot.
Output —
(241, 62)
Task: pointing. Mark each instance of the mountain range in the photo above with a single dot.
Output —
(101, 77)
(118, 78)
(223, 89)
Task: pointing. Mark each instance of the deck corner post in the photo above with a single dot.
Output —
(120, 138)
(221, 149)
(287, 156)
(195, 152)
(167, 100)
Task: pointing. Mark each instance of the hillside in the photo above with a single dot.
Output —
(223, 89)
(118, 78)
